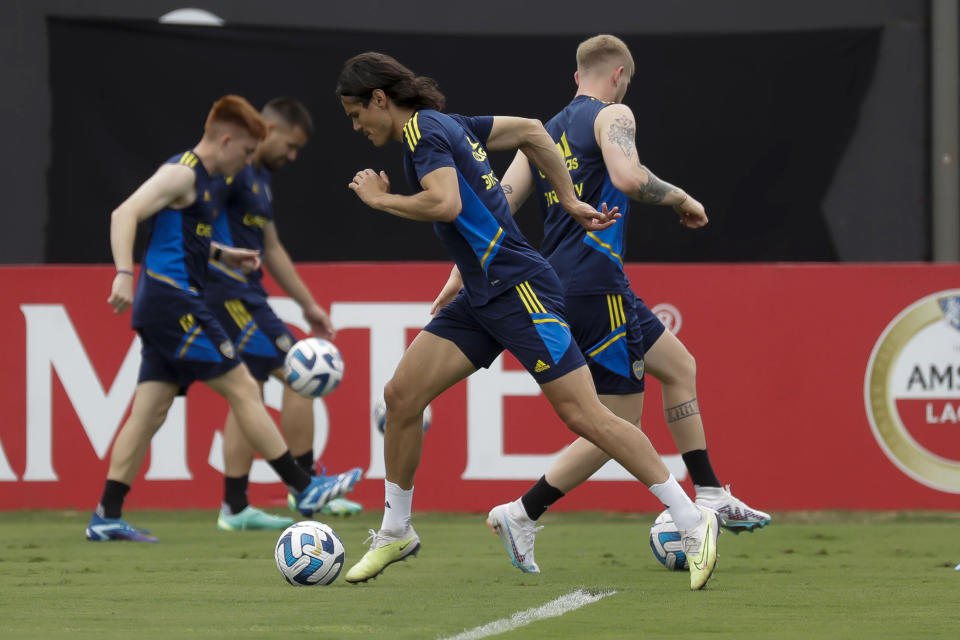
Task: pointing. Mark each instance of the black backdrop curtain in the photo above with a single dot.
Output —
(752, 125)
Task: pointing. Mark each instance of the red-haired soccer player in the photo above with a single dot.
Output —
(182, 341)
(239, 302)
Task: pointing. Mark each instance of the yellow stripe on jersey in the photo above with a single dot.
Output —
(533, 297)
(238, 312)
(615, 307)
(416, 125)
(606, 344)
(523, 298)
(490, 246)
(411, 131)
(606, 246)
(188, 159)
(246, 337)
(186, 345)
(219, 266)
(557, 320)
(163, 278)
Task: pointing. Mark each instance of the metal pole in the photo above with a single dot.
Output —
(945, 121)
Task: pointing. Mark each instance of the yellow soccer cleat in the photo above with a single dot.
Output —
(385, 549)
(700, 547)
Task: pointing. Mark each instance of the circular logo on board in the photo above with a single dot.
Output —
(669, 315)
(912, 391)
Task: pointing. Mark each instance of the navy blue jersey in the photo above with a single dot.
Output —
(586, 262)
(178, 244)
(247, 209)
(483, 240)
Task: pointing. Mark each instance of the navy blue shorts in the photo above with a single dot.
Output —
(615, 331)
(182, 341)
(528, 321)
(261, 337)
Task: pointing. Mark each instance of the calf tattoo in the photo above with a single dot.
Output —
(681, 411)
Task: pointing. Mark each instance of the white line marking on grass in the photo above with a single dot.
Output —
(563, 604)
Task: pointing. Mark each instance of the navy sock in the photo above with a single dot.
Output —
(539, 497)
(305, 462)
(235, 493)
(111, 502)
(701, 471)
(291, 474)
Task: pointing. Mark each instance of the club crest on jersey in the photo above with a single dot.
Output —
(226, 348)
(479, 153)
(284, 343)
(638, 369)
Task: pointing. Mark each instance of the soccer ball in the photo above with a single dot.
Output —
(380, 416)
(313, 367)
(665, 543)
(309, 553)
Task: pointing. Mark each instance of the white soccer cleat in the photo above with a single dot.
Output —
(517, 532)
(700, 547)
(735, 515)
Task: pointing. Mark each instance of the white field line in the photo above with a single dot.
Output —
(563, 604)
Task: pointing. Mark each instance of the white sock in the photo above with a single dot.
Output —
(396, 509)
(684, 513)
(709, 493)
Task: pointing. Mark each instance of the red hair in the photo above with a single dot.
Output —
(237, 111)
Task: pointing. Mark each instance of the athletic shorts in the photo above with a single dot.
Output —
(261, 337)
(182, 340)
(614, 331)
(528, 321)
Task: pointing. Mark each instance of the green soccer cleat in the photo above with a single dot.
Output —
(700, 547)
(251, 518)
(342, 507)
(384, 551)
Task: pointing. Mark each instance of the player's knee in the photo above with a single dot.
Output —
(241, 387)
(682, 370)
(400, 402)
(578, 419)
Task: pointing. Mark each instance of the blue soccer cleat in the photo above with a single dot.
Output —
(323, 489)
(106, 529)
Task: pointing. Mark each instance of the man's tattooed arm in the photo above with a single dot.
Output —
(623, 133)
(656, 189)
(507, 188)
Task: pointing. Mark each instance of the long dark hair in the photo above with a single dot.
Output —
(363, 73)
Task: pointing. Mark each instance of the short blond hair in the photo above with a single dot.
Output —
(602, 50)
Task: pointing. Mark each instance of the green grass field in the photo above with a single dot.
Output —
(809, 575)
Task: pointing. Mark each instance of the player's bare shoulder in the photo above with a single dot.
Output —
(177, 182)
(615, 125)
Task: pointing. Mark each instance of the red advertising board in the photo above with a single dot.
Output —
(821, 387)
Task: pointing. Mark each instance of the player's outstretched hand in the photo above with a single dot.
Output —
(368, 185)
(319, 321)
(591, 219)
(245, 260)
(449, 292)
(121, 293)
(691, 212)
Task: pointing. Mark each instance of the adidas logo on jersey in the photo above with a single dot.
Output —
(541, 366)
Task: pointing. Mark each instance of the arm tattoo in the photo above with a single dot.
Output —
(681, 411)
(507, 188)
(655, 190)
(623, 133)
